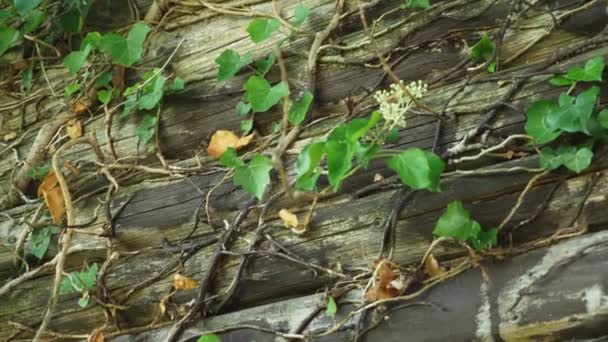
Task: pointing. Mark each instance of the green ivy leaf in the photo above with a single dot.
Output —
(264, 65)
(365, 153)
(536, 126)
(425, 4)
(26, 79)
(602, 117)
(560, 81)
(355, 129)
(104, 96)
(83, 281)
(573, 117)
(260, 29)
(5, 15)
(261, 95)
(75, 60)
(298, 110)
(551, 159)
(339, 161)
(242, 108)
(24, 7)
(8, 36)
(230, 159)
(482, 50)
(72, 20)
(230, 63)
(38, 173)
(246, 126)
(579, 161)
(130, 104)
(418, 169)
(92, 38)
(126, 51)
(392, 135)
(71, 89)
(104, 79)
(84, 300)
(254, 177)
(41, 238)
(456, 223)
(332, 307)
(592, 71)
(146, 128)
(152, 92)
(209, 338)
(33, 20)
(484, 239)
(301, 12)
(177, 84)
(307, 162)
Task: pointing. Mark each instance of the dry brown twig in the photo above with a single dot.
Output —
(71, 220)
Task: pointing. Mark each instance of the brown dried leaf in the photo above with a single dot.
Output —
(74, 128)
(49, 182)
(70, 166)
(388, 281)
(378, 177)
(431, 267)
(96, 336)
(81, 106)
(181, 282)
(221, 140)
(290, 220)
(54, 201)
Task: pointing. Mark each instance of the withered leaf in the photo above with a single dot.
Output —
(221, 140)
(74, 128)
(181, 282)
(431, 267)
(290, 220)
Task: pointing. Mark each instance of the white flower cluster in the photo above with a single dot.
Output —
(395, 103)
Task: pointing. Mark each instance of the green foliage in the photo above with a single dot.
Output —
(125, 51)
(104, 96)
(255, 176)
(246, 126)
(575, 159)
(536, 126)
(298, 110)
(602, 118)
(73, 14)
(424, 4)
(590, 73)
(146, 128)
(76, 59)
(8, 36)
(71, 89)
(261, 29)
(418, 169)
(262, 96)
(230, 63)
(456, 223)
(340, 148)
(177, 84)
(26, 79)
(230, 159)
(264, 65)
(482, 51)
(242, 108)
(38, 173)
(82, 282)
(33, 20)
(209, 338)
(41, 238)
(24, 7)
(332, 307)
(145, 95)
(301, 13)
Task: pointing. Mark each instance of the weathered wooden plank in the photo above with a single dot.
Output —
(554, 293)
